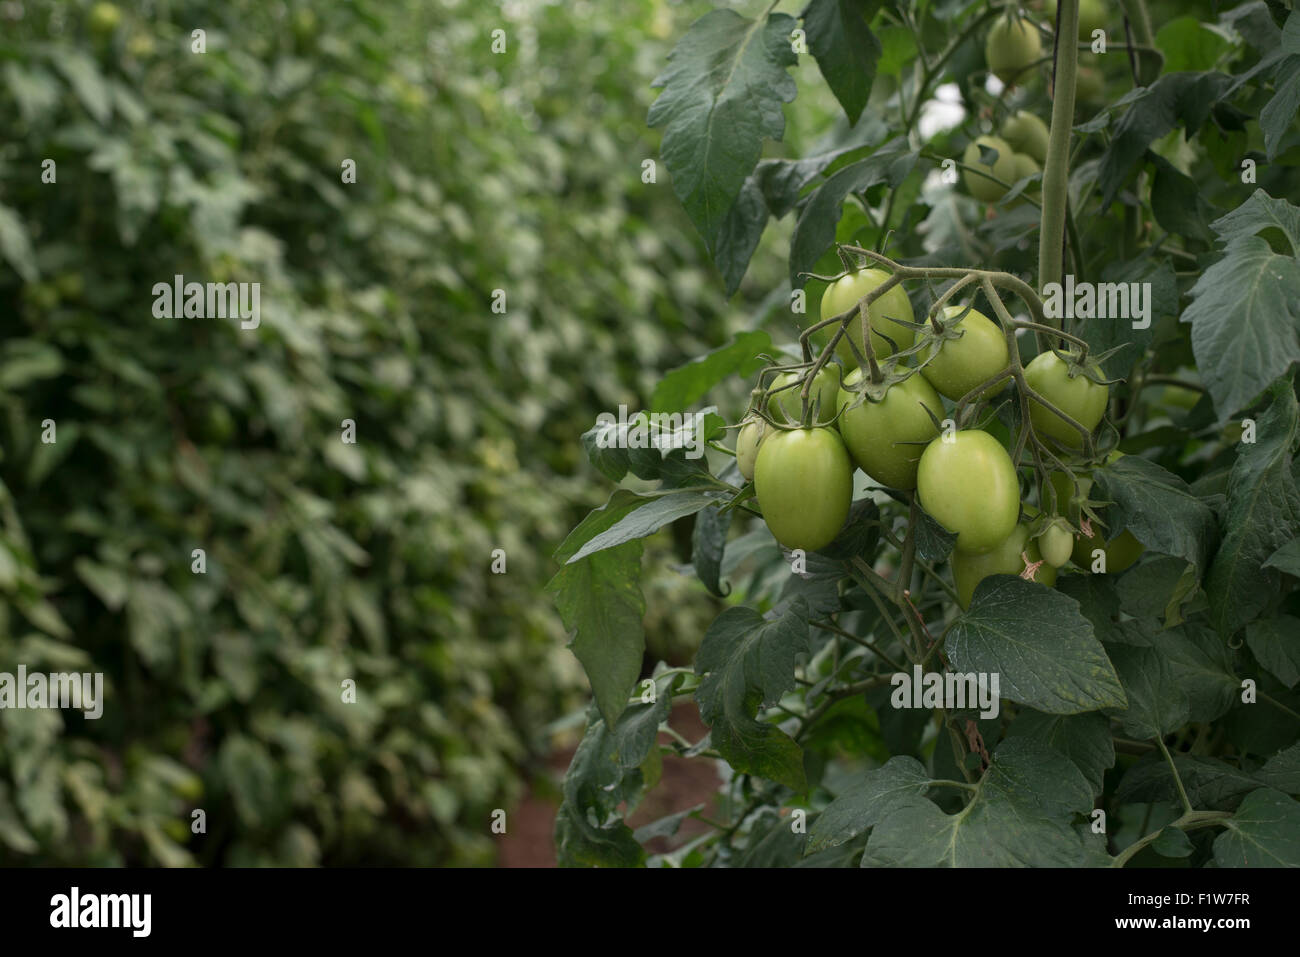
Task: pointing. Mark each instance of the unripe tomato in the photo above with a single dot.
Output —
(1089, 87)
(786, 405)
(1056, 542)
(873, 430)
(1092, 16)
(1026, 133)
(1025, 166)
(1006, 558)
(104, 17)
(803, 479)
(1121, 551)
(843, 293)
(1011, 46)
(1078, 397)
(962, 364)
(751, 434)
(969, 485)
(1003, 168)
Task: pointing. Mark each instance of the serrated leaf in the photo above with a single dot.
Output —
(1276, 643)
(723, 91)
(708, 545)
(1279, 112)
(745, 662)
(1263, 514)
(845, 49)
(1171, 842)
(1286, 558)
(628, 516)
(1020, 816)
(1157, 507)
(1083, 738)
(858, 809)
(1157, 703)
(1202, 667)
(1039, 645)
(687, 384)
(1245, 308)
(1265, 832)
(1210, 784)
(1282, 770)
(592, 791)
(934, 543)
(602, 607)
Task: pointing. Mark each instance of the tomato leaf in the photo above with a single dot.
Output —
(1158, 508)
(1245, 309)
(687, 384)
(723, 91)
(593, 788)
(1020, 815)
(879, 792)
(1278, 113)
(1157, 703)
(708, 544)
(1040, 646)
(1263, 514)
(1202, 667)
(1275, 642)
(1083, 738)
(1210, 784)
(1265, 832)
(845, 49)
(746, 662)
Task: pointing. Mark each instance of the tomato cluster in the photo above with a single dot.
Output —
(887, 417)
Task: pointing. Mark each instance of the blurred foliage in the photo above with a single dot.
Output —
(326, 561)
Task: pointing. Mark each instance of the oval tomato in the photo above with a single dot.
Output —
(785, 401)
(1011, 47)
(969, 485)
(843, 293)
(1089, 88)
(1082, 400)
(747, 442)
(1006, 558)
(1121, 552)
(874, 431)
(803, 480)
(1056, 542)
(1092, 16)
(1003, 168)
(1025, 166)
(963, 363)
(1026, 133)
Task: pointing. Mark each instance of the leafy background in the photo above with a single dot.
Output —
(325, 561)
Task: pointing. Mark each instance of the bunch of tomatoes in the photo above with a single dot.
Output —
(800, 443)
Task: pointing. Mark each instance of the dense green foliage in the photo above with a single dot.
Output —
(1147, 709)
(475, 171)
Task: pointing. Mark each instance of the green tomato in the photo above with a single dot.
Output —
(747, 442)
(962, 364)
(1056, 542)
(1065, 493)
(969, 485)
(1025, 166)
(803, 479)
(1092, 16)
(1078, 397)
(1011, 47)
(1026, 133)
(1006, 558)
(1003, 168)
(874, 431)
(104, 18)
(1088, 86)
(844, 293)
(786, 405)
(1121, 551)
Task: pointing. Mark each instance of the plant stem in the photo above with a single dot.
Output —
(1056, 171)
(1178, 781)
(1190, 821)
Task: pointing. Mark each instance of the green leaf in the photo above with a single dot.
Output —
(1083, 738)
(1021, 815)
(1282, 770)
(1189, 44)
(1276, 643)
(934, 543)
(1265, 832)
(1263, 514)
(1211, 784)
(1286, 558)
(86, 81)
(1178, 205)
(1157, 704)
(739, 233)
(15, 246)
(747, 662)
(1039, 645)
(1171, 842)
(1104, 335)
(687, 384)
(1175, 99)
(708, 544)
(628, 516)
(879, 792)
(1147, 590)
(592, 789)
(1245, 308)
(1279, 112)
(814, 233)
(1202, 667)
(845, 49)
(600, 602)
(1158, 508)
(723, 91)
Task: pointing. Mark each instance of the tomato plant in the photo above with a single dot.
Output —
(1105, 353)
